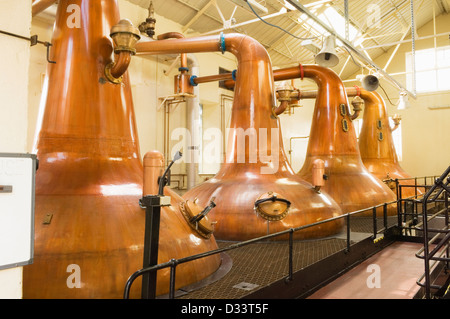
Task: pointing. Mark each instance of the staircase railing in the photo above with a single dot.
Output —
(435, 249)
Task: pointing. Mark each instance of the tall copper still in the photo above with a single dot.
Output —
(333, 139)
(89, 229)
(250, 201)
(376, 143)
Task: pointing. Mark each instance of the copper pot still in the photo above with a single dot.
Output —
(376, 144)
(333, 140)
(89, 228)
(256, 191)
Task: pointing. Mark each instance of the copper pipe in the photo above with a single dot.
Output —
(185, 45)
(351, 91)
(153, 168)
(119, 67)
(176, 35)
(278, 75)
(281, 108)
(40, 5)
(212, 78)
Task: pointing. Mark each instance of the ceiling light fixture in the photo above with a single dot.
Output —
(327, 57)
(404, 103)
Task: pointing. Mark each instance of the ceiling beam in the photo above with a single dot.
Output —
(396, 49)
(276, 14)
(400, 16)
(355, 51)
(444, 4)
(198, 15)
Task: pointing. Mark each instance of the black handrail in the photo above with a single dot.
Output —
(175, 262)
(434, 192)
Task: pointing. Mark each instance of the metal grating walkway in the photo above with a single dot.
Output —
(257, 265)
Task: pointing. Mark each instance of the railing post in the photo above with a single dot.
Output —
(173, 267)
(425, 249)
(374, 212)
(385, 216)
(348, 232)
(151, 244)
(399, 204)
(291, 250)
(446, 194)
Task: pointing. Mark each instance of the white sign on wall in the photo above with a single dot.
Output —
(17, 181)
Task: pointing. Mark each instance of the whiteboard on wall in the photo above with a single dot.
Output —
(17, 181)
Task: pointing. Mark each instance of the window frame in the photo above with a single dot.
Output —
(434, 71)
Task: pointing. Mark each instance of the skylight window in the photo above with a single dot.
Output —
(333, 19)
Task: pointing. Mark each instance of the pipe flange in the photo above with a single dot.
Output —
(222, 44)
(109, 76)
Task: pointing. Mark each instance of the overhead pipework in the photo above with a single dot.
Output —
(40, 5)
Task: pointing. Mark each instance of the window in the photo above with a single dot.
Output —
(335, 20)
(432, 70)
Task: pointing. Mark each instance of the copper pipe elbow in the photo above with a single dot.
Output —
(281, 108)
(176, 35)
(125, 36)
(115, 70)
(40, 5)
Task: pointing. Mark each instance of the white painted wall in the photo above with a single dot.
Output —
(15, 17)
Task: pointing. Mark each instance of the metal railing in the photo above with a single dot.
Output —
(404, 223)
(432, 256)
(173, 263)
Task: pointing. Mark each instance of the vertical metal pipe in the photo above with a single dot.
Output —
(347, 37)
(192, 123)
(413, 47)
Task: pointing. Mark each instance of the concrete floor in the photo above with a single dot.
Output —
(390, 274)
